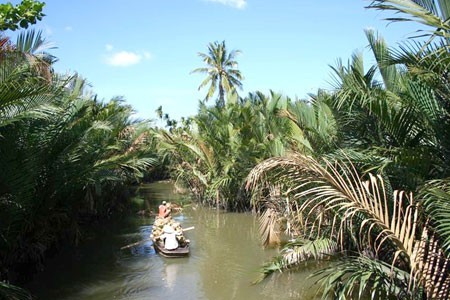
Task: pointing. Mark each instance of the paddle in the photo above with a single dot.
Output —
(146, 240)
(134, 244)
(189, 228)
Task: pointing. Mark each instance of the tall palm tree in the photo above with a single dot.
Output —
(221, 71)
(224, 144)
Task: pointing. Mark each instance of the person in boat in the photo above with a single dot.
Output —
(182, 241)
(163, 210)
(169, 237)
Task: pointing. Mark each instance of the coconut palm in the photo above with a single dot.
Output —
(221, 70)
(214, 157)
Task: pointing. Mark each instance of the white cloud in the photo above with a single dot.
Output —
(68, 28)
(240, 4)
(125, 58)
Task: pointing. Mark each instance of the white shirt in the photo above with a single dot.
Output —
(170, 242)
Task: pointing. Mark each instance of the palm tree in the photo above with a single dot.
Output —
(313, 125)
(34, 47)
(221, 71)
(24, 79)
(76, 159)
(225, 143)
(384, 236)
(387, 242)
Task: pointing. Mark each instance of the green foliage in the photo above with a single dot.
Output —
(361, 153)
(360, 215)
(20, 16)
(397, 127)
(436, 202)
(213, 156)
(313, 124)
(361, 277)
(432, 13)
(65, 157)
(297, 251)
(360, 172)
(221, 68)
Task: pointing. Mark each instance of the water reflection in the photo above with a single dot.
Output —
(225, 257)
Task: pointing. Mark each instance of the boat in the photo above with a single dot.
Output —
(178, 252)
(167, 225)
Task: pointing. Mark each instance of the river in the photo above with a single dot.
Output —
(224, 260)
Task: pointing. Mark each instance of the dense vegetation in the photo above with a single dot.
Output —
(65, 157)
(359, 174)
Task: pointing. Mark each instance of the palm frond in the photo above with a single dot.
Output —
(297, 251)
(269, 229)
(427, 12)
(9, 291)
(360, 277)
(435, 196)
(389, 72)
(363, 210)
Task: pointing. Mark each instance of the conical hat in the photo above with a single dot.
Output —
(168, 229)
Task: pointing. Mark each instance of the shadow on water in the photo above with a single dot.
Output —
(225, 257)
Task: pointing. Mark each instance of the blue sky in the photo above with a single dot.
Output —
(144, 50)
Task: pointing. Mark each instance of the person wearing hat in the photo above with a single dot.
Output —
(169, 238)
(163, 210)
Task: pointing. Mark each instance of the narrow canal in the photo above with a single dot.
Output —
(225, 258)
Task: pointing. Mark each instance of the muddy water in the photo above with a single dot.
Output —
(225, 258)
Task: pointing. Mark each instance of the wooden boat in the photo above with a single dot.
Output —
(167, 225)
(179, 252)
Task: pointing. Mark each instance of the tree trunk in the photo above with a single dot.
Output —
(221, 100)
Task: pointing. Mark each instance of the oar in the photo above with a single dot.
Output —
(146, 240)
(135, 244)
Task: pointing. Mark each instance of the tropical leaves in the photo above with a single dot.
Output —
(365, 193)
(296, 252)
(314, 125)
(356, 277)
(63, 154)
(215, 154)
(435, 197)
(268, 227)
(221, 70)
(433, 13)
(21, 93)
(360, 215)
